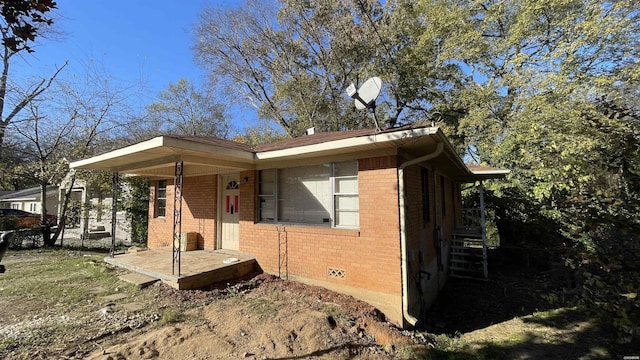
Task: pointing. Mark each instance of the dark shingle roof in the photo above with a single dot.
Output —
(209, 140)
(317, 138)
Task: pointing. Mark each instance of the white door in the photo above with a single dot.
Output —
(230, 229)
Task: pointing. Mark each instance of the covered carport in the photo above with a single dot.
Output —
(166, 157)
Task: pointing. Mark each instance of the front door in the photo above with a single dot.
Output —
(230, 229)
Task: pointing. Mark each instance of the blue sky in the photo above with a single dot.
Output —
(134, 40)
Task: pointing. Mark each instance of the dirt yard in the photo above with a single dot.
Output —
(68, 304)
(265, 318)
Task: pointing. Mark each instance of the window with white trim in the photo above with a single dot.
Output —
(33, 207)
(325, 194)
(161, 198)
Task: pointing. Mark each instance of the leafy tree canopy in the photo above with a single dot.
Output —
(22, 19)
(293, 60)
(548, 89)
(184, 109)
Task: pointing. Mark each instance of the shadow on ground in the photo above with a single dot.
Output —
(540, 330)
(512, 290)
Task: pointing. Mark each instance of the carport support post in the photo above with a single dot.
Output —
(114, 212)
(177, 216)
(483, 224)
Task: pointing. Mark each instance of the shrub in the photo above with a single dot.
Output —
(8, 223)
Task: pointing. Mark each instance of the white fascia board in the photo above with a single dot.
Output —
(178, 146)
(384, 139)
(21, 199)
(492, 173)
(145, 145)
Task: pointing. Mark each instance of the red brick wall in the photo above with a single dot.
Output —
(448, 218)
(199, 206)
(419, 234)
(421, 250)
(417, 231)
(369, 256)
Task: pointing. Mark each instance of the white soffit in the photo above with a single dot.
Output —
(162, 150)
(152, 157)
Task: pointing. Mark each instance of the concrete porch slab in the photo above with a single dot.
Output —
(198, 268)
(141, 280)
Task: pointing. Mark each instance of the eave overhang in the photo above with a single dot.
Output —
(156, 158)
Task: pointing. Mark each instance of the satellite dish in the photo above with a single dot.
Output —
(365, 97)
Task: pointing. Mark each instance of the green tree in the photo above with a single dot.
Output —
(74, 119)
(551, 93)
(536, 72)
(293, 60)
(183, 109)
(21, 22)
(259, 134)
(136, 204)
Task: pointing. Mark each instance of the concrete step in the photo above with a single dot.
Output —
(139, 279)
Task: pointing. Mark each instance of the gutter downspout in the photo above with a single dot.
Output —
(403, 231)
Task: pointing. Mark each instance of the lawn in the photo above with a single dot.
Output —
(68, 303)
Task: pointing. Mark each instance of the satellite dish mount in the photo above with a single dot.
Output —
(365, 97)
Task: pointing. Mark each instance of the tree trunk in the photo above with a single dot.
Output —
(44, 223)
(62, 221)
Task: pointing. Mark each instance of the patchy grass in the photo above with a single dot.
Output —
(57, 305)
(171, 316)
(58, 280)
(66, 276)
(48, 294)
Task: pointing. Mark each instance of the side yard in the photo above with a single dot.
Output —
(68, 304)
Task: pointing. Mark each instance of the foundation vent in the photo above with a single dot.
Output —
(336, 273)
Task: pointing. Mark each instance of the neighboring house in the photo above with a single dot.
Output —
(90, 211)
(29, 200)
(84, 197)
(366, 213)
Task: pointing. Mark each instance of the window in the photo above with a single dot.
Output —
(161, 198)
(426, 216)
(33, 207)
(455, 189)
(443, 196)
(232, 185)
(345, 193)
(325, 194)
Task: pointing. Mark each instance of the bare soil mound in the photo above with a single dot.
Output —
(271, 319)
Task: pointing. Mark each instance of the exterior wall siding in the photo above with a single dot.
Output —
(365, 263)
(199, 212)
(368, 258)
(422, 252)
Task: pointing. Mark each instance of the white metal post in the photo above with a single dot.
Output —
(485, 267)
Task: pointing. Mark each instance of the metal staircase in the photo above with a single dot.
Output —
(468, 256)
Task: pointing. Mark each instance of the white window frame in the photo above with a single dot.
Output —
(336, 195)
(273, 197)
(158, 198)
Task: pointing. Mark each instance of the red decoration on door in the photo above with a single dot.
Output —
(235, 202)
(228, 201)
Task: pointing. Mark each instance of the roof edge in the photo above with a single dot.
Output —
(145, 145)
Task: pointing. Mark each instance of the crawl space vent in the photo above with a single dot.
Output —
(336, 273)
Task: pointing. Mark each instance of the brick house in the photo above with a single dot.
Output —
(366, 213)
